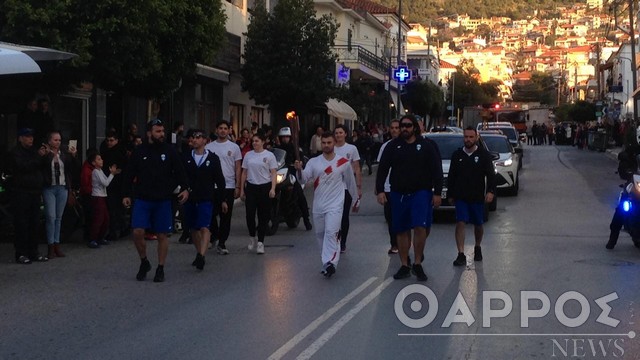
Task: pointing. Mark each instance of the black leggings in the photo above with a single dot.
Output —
(257, 200)
(344, 224)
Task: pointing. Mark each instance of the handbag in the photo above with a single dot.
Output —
(72, 200)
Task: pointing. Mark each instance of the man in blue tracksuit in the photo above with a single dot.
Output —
(471, 184)
(203, 171)
(154, 171)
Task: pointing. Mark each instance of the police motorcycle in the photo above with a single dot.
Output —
(284, 206)
(629, 199)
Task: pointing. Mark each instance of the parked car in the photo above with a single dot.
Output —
(447, 144)
(451, 129)
(510, 132)
(508, 166)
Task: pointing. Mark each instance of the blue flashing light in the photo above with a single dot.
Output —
(626, 205)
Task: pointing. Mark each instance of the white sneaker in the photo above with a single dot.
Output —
(260, 248)
(252, 243)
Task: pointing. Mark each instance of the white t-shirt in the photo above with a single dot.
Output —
(330, 178)
(259, 166)
(229, 153)
(387, 185)
(347, 150)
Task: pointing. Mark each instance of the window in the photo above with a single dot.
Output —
(237, 3)
(236, 115)
(257, 115)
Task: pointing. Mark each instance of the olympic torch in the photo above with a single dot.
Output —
(295, 127)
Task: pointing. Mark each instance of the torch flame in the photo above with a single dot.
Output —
(291, 115)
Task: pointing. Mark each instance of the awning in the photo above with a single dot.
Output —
(21, 59)
(15, 62)
(39, 53)
(212, 73)
(340, 109)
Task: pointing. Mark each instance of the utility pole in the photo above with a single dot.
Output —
(634, 69)
(400, 51)
(598, 73)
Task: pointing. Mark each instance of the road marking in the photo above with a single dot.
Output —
(317, 322)
(324, 338)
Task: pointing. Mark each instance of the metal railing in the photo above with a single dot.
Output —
(362, 56)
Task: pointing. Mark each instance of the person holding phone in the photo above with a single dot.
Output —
(58, 168)
(153, 171)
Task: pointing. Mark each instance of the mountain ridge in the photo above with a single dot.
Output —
(422, 11)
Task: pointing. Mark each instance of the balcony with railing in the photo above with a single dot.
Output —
(362, 56)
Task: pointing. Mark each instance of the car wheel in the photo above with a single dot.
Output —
(513, 191)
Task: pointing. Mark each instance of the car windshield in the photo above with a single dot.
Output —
(509, 132)
(497, 144)
(447, 145)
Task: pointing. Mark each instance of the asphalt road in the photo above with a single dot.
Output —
(548, 241)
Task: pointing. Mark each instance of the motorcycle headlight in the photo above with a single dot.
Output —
(281, 175)
(505, 163)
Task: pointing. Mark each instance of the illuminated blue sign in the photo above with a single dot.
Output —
(402, 74)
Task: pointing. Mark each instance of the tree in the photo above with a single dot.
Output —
(424, 98)
(541, 88)
(288, 56)
(144, 47)
(468, 90)
(484, 31)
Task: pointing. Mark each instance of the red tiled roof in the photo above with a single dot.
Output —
(525, 75)
(366, 5)
(446, 65)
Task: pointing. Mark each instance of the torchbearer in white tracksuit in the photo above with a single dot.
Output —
(331, 174)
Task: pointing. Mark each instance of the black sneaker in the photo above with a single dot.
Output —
(184, 237)
(307, 224)
(461, 260)
(329, 269)
(199, 262)
(159, 274)
(403, 273)
(477, 253)
(145, 267)
(195, 261)
(611, 244)
(419, 272)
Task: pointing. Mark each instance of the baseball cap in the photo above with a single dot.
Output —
(25, 132)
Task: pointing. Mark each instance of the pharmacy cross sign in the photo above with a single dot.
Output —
(402, 74)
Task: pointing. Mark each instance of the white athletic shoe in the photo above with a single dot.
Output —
(252, 243)
(260, 248)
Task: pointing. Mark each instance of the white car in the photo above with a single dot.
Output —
(508, 166)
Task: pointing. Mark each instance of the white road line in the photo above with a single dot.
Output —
(317, 322)
(324, 338)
